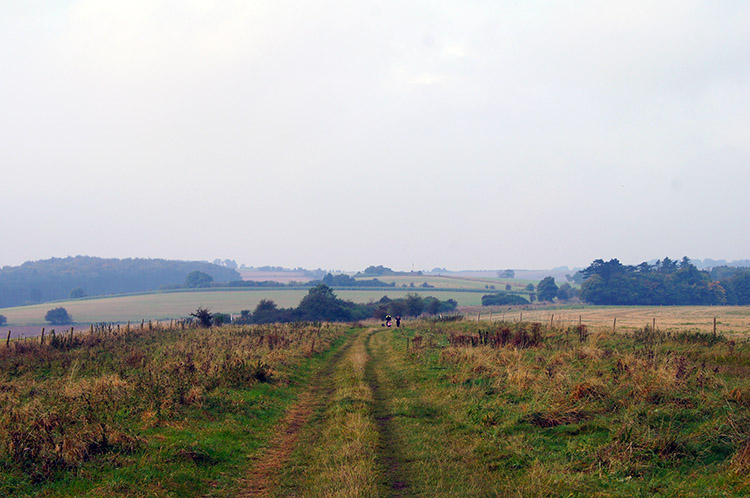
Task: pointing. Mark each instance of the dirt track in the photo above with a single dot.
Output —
(302, 427)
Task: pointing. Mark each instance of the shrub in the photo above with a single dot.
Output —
(58, 316)
(204, 317)
(500, 298)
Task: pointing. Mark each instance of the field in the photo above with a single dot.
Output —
(174, 305)
(275, 276)
(729, 319)
(454, 282)
(436, 408)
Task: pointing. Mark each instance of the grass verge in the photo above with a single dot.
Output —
(528, 410)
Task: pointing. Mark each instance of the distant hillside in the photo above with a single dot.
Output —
(558, 273)
(53, 279)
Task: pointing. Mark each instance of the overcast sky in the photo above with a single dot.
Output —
(339, 134)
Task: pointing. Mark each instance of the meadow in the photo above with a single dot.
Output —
(148, 412)
(440, 407)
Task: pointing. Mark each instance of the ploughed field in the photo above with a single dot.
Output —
(435, 408)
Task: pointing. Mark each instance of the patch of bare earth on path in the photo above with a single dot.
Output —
(262, 478)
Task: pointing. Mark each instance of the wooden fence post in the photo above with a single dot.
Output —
(653, 324)
(614, 325)
(7, 341)
(41, 341)
(714, 326)
(551, 320)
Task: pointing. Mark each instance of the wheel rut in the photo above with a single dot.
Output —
(389, 455)
(262, 478)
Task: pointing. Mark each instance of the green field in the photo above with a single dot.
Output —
(174, 305)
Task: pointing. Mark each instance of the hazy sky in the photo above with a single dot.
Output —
(339, 134)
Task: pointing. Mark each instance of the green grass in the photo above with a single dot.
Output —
(338, 451)
(181, 410)
(651, 415)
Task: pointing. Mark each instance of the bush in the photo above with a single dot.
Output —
(502, 299)
(77, 293)
(196, 279)
(58, 316)
(204, 316)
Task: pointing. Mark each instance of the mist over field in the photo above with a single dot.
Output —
(335, 135)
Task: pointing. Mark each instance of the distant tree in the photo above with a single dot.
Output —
(565, 292)
(77, 293)
(432, 305)
(321, 304)
(266, 311)
(530, 287)
(506, 274)
(3, 320)
(507, 287)
(204, 316)
(397, 308)
(377, 270)
(221, 318)
(547, 289)
(380, 311)
(414, 304)
(245, 318)
(58, 316)
(196, 279)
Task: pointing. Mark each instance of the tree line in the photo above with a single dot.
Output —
(322, 304)
(666, 282)
(62, 278)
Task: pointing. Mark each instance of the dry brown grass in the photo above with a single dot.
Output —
(70, 398)
(732, 320)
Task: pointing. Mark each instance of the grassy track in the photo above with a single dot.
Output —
(434, 449)
(338, 451)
